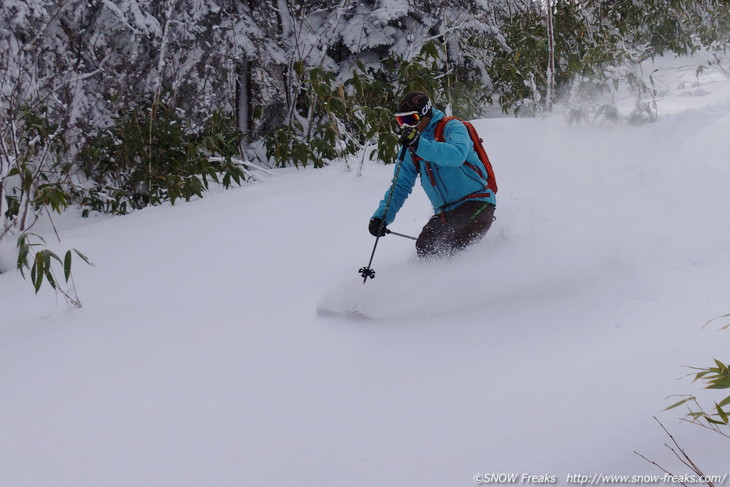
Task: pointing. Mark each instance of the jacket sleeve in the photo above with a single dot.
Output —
(401, 190)
(453, 151)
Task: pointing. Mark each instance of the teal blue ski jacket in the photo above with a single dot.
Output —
(449, 171)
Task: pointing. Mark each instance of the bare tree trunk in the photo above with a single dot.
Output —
(158, 86)
(5, 163)
(551, 58)
(243, 96)
(285, 27)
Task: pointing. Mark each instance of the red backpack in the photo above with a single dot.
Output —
(478, 148)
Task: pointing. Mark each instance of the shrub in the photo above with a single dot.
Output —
(342, 118)
(715, 377)
(150, 156)
(33, 174)
(40, 264)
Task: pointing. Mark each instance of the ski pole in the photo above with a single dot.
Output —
(399, 234)
(366, 272)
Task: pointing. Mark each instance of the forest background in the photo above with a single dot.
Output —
(116, 105)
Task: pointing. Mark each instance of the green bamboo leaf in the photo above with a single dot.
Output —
(723, 383)
(35, 235)
(701, 375)
(23, 251)
(49, 276)
(52, 255)
(84, 258)
(677, 404)
(47, 267)
(67, 265)
(27, 179)
(32, 274)
(721, 413)
(36, 273)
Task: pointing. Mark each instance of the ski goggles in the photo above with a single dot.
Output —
(408, 119)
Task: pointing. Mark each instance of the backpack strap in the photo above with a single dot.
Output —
(417, 162)
(441, 126)
(478, 148)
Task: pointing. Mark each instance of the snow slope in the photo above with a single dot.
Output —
(198, 358)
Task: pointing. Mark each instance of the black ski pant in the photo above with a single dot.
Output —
(447, 233)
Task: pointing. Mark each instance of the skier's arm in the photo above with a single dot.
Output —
(453, 151)
(401, 190)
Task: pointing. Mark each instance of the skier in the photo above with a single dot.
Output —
(452, 175)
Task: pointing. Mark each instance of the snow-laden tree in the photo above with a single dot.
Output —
(307, 80)
(391, 46)
(71, 69)
(44, 102)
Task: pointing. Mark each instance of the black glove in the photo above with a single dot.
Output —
(409, 136)
(375, 227)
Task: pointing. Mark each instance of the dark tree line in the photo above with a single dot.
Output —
(113, 105)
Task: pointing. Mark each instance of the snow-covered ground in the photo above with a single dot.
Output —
(198, 358)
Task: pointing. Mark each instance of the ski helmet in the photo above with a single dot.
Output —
(416, 101)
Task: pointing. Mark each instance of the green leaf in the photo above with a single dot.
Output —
(23, 251)
(723, 383)
(36, 272)
(49, 276)
(50, 255)
(84, 258)
(43, 240)
(677, 404)
(67, 265)
(721, 413)
(701, 375)
(724, 402)
(27, 180)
